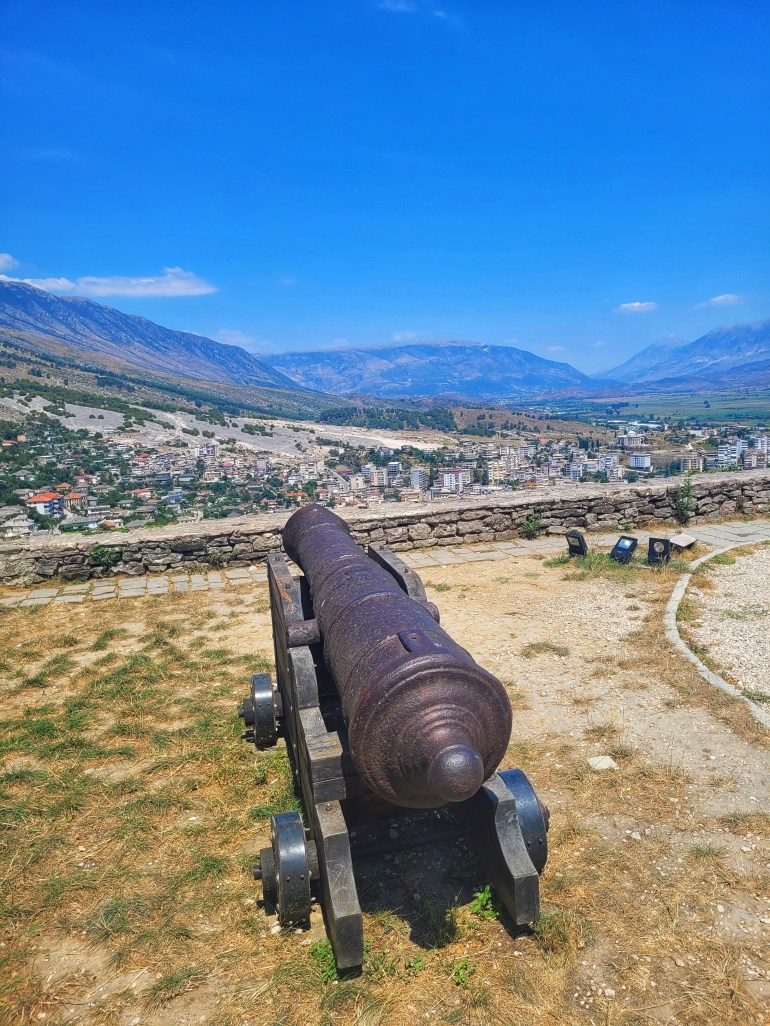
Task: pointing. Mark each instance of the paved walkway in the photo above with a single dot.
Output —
(716, 536)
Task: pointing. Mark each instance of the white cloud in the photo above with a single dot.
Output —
(555, 349)
(418, 6)
(728, 299)
(404, 336)
(173, 282)
(599, 344)
(287, 281)
(7, 262)
(636, 307)
(233, 337)
(340, 341)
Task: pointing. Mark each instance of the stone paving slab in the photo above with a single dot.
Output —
(69, 599)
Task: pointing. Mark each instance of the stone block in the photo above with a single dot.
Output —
(419, 532)
(467, 527)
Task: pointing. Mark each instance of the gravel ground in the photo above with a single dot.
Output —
(734, 620)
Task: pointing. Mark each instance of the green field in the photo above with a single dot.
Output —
(749, 407)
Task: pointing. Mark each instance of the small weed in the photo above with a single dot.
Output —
(443, 587)
(706, 851)
(49, 672)
(757, 696)
(378, 964)
(462, 972)
(322, 954)
(483, 904)
(598, 731)
(415, 965)
(561, 560)
(530, 528)
(722, 559)
(104, 639)
(205, 867)
(544, 648)
(64, 641)
(117, 916)
(686, 613)
(181, 981)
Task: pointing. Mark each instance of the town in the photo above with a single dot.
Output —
(53, 478)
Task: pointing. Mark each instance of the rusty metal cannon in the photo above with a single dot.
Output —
(383, 714)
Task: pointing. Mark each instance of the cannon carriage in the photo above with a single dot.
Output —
(385, 718)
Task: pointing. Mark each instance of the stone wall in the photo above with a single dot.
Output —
(243, 540)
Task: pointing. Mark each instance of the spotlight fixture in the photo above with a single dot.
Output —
(576, 543)
(624, 548)
(658, 551)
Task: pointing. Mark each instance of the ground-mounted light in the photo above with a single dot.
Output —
(576, 543)
(624, 548)
(658, 551)
(683, 541)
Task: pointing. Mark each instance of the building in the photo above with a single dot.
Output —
(691, 463)
(631, 440)
(454, 480)
(640, 461)
(418, 479)
(49, 504)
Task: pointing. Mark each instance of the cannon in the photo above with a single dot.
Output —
(386, 718)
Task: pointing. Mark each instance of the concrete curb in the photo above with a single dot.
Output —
(673, 635)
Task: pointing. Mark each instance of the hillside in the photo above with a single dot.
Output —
(95, 328)
(736, 355)
(95, 379)
(446, 369)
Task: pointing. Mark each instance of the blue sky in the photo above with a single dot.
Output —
(577, 179)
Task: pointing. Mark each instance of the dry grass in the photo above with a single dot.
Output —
(132, 813)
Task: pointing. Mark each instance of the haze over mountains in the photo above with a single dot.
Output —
(730, 356)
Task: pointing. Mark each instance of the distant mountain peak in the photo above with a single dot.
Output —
(719, 354)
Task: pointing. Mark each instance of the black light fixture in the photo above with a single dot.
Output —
(624, 548)
(576, 543)
(658, 551)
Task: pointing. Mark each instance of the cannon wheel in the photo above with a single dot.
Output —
(292, 869)
(533, 816)
(258, 712)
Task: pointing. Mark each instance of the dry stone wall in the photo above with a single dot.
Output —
(244, 540)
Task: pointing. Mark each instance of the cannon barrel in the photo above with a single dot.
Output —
(426, 724)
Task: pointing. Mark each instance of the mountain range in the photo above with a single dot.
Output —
(452, 371)
(736, 354)
(95, 328)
